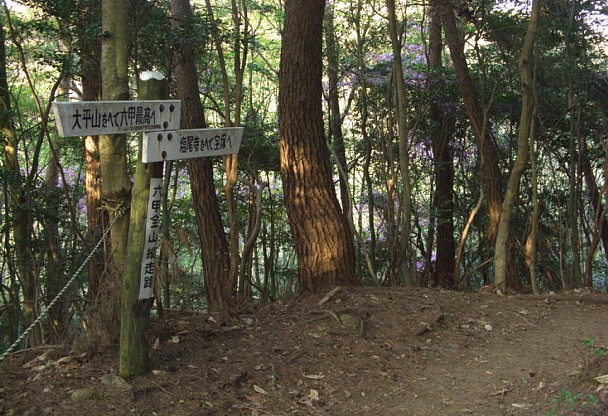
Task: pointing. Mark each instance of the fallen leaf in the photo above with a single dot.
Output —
(259, 389)
(65, 360)
(602, 379)
(314, 376)
(500, 392)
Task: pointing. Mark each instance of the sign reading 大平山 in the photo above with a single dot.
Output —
(148, 261)
(84, 118)
(187, 144)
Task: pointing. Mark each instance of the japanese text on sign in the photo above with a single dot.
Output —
(81, 118)
(194, 143)
(187, 144)
(148, 261)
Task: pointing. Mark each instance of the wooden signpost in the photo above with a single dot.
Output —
(162, 140)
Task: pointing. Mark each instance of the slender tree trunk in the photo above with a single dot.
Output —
(575, 244)
(21, 217)
(240, 51)
(322, 237)
(97, 219)
(216, 259)
(532, 240)
(490, 171)
(525, 63)
(409, 277)
(595, 195)
(166, 247)
(443, 201)
(335, 117)
(55, 270)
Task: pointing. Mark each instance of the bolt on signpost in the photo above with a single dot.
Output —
(162, 140)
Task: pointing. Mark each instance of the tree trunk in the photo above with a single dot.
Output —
(55, 270)
(216, 260)
(21, 217)
(409, 277)
(525, 63)
(322, 237)
(335, 117)
(97, 218)
(442, 124)
(595, 195)
(575, 244)
(490, 171)
(240, 51)
(532, 240)
(116, 187)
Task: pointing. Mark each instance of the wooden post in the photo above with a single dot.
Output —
(135, 312)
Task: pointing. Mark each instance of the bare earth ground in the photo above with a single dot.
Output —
(363, 352)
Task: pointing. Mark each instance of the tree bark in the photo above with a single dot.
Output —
(525, 63)
(490, 171)
(21, 216)
(97, 219)
(322, 238)
(443, 200)
(335, 117)
(406, 271)
(116, 187)
(595, 195)
(216, 260)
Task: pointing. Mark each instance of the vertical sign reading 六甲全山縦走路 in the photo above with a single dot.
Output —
(148, 262)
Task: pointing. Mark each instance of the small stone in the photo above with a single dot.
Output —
(113, 380)
(349, 321)
(85, 394)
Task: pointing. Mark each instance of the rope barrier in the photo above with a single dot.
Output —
(119, 213)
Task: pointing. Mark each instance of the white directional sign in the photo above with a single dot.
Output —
(83, 118)
(148, 262)
(188, 144)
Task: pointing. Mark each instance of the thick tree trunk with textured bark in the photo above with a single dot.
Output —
(322, 237)
(216, 260)
(116, 187)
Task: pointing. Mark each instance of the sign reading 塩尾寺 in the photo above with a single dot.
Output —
(188, 144)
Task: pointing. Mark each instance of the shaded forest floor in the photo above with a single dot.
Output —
(365, 351)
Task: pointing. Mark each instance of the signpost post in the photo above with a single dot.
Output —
(162, 140)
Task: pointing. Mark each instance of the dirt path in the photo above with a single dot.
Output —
(363, 352)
